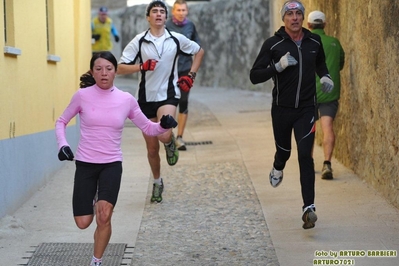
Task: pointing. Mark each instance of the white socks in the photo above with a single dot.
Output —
(158, 181)
(94, 260)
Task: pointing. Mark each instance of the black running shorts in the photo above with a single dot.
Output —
(88, 177)
(327, 109)
(150, 109)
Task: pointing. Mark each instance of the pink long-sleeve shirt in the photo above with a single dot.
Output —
(102, 116)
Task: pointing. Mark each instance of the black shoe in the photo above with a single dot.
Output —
(157, 192)
(326, 172)
(172, 153)
(181, 146)
(309, 217)
(275, 177)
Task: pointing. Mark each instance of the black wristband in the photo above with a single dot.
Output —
(192, 75)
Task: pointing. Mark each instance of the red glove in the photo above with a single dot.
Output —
(185, 83)
(148, 65)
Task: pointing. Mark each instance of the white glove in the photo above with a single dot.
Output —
(285, 61)
(327, 84)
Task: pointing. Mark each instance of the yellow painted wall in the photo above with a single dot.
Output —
(33, 91)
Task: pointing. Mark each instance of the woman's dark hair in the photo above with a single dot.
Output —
(87, 80)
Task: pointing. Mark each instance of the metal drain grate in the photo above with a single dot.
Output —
(195, 143)
(75, 254)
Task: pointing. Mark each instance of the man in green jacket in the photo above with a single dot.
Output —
(327, 103)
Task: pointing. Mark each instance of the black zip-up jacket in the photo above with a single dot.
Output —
(295, 86)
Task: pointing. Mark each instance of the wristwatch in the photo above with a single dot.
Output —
(192, 75)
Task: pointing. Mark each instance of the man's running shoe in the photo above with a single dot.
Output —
(326, 172)
(275, 177)
(157, 192)
(309, 217)
(181, 146)
(172, 154)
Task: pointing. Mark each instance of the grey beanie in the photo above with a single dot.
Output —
(289, 5)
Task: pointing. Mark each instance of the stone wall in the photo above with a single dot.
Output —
(111, 4)
(367, 124)
(231, 34)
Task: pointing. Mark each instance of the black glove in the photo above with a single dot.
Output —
(167, 121)
(96, 36)
(116, 38)
(65, 153)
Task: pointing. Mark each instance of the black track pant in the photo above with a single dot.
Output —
(301, 120)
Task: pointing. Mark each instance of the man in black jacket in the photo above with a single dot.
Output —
(291, 58)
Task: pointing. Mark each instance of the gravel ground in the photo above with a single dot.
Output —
(210, 215)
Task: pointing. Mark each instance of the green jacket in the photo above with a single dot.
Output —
(335, 58)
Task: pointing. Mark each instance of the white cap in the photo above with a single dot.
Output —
(316, 17)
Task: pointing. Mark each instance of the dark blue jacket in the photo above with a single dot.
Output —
(188, 30)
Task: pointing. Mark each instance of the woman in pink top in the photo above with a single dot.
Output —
(102, 109)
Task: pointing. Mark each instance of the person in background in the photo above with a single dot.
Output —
(101, 30)
(181, 24)
(327, 103)
(102, 109)
(291, 58)
(154, 54)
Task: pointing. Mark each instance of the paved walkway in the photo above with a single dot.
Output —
(352, 216)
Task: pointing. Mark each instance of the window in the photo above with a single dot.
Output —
(8, 22)
(50, 25)
(5, 21)
(50, 32)
(9, 39)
